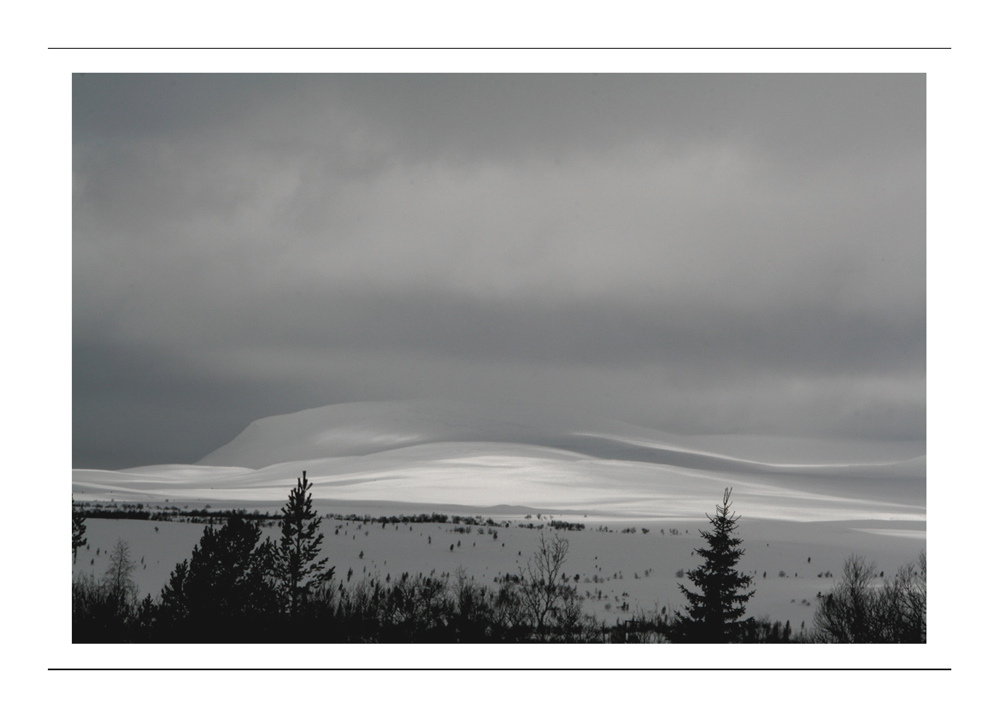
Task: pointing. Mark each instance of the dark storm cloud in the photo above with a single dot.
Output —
(799, 338)
(715, 253)
(800, 118)
(120, 392)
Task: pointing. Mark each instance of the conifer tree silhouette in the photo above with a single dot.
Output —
(714, 615)
(297, 569)
(224, 589)
(79, 532)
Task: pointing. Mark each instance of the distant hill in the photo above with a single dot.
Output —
(436, 454)
(364, 428)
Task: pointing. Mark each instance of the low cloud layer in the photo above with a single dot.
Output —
(700, 253)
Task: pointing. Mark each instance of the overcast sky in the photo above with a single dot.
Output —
(700, 253)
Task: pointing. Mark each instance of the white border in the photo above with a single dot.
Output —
(960, 157)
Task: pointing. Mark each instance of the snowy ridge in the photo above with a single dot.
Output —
(434, 454)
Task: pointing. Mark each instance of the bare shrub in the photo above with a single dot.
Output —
(859, 610)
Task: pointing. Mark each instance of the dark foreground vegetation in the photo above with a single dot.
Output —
(237, 588)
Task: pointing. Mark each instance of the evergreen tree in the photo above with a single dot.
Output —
(296, 567)
(224, 590)
(79, 531)
(714, 615)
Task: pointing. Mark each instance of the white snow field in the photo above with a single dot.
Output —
(806, 505)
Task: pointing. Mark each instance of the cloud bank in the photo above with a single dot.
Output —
(697, 253)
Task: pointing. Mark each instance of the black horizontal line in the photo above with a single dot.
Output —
(499, 669)
(497, 48)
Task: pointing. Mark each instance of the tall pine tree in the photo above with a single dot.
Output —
(714, 614)
(297, 569)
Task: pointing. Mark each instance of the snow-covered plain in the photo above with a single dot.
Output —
(806, 505)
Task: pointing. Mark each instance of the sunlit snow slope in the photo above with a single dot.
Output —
(433, 454)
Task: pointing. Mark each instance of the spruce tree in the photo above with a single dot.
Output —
(297, 569)
(714, 614)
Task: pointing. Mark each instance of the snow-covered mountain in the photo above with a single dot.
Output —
(431, 453)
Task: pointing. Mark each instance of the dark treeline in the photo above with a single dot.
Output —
(114, 510)
(236, 588)
(125, 510)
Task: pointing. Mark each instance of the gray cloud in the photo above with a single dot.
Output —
(709, 253)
